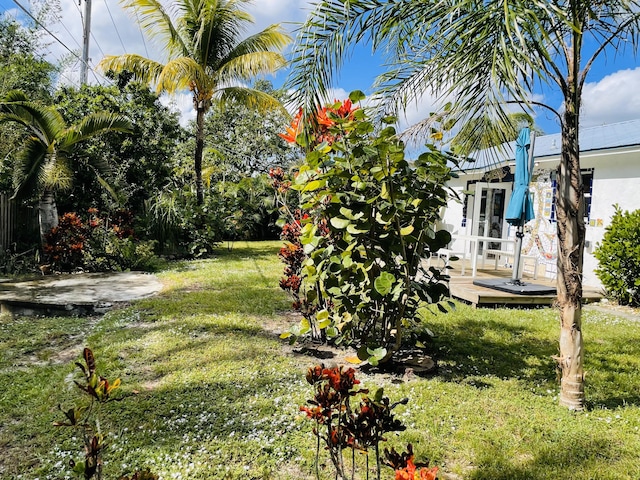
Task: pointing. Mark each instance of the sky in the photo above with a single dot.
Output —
(611, 94)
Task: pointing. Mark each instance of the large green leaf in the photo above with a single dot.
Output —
(384, 283)
(339, 223)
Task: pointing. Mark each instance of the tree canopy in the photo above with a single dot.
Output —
(206, 54)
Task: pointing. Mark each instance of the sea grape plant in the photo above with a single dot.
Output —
(371, 223)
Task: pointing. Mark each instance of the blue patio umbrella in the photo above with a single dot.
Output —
(520, 208)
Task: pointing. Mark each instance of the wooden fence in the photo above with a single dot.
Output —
(18, 224)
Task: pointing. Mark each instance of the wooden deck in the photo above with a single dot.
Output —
(462, 288)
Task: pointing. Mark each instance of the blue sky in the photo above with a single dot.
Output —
(611, 95)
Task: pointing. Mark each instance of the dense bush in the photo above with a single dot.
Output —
(619, 258)
(241, 210)
(380, 213)
(102, 243)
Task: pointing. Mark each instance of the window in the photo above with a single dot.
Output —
(587, 182)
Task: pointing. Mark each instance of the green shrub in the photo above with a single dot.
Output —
(619, 258)
(371, 222)
(103, 243)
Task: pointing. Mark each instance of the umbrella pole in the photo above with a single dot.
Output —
(517, 251)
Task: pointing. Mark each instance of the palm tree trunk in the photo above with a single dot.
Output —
(200, 111)
(47, 214)
(571, 235)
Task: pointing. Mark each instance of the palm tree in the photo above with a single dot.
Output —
(205, 54)
(482, 56)
(43, 164)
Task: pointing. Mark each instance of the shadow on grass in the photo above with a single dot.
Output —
(490, 347)
(469, 348)
(612, 366)
(564, 458)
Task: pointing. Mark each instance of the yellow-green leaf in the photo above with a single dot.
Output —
(406, 230)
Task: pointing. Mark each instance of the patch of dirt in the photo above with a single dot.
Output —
(406, 365)
(66, 355)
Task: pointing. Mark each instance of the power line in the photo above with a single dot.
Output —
(59, 19)
(95, 40)
(141, 34)
(114, 26)
(39, 23)
(57, 71)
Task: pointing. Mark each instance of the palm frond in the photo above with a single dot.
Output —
(56, 173)
(214, 27)
(15, 96)
(92, 125)
(143, 69)
(250, 97)
(272, 38)
(158, 24)
(29, 161)
(44, 122)
(325, 41)
(184, 73)
(249, 65)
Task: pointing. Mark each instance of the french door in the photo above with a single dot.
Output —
(489, 206)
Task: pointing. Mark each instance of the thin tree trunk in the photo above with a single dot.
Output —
(47, 214)
(200, 111)
(571, 235)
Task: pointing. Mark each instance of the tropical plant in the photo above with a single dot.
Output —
(342, 424)
(371, 222)
(483, 56)
(205, 54)
(20, 68)
(619, 258)
(138, 169)
(101, 243)
(231, 129)
(84, 419)
(44, 164)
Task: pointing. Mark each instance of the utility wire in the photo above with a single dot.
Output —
(92, 36)
(42, 58)
(39, 23)
(59, 19)
(116, 27)
(46, 30)
(141, 33)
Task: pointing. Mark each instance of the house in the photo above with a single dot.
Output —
(610, 163)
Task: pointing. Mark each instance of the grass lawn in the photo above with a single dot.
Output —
(209, 393)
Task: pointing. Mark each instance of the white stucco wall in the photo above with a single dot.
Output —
(616, 180)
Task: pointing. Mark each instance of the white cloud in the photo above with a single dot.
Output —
(336, 94)
(114, 31)
(615, 98)
(181, 103)
(287, 12)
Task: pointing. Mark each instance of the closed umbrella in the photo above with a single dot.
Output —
(520, 208)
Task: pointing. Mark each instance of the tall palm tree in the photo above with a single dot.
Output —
(43, 164)
(484, 55)
(205, 54)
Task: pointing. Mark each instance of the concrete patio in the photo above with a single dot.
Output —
(77, 294)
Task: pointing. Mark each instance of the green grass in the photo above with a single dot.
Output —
(208, 393)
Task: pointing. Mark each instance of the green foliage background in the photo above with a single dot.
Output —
(619, 257)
